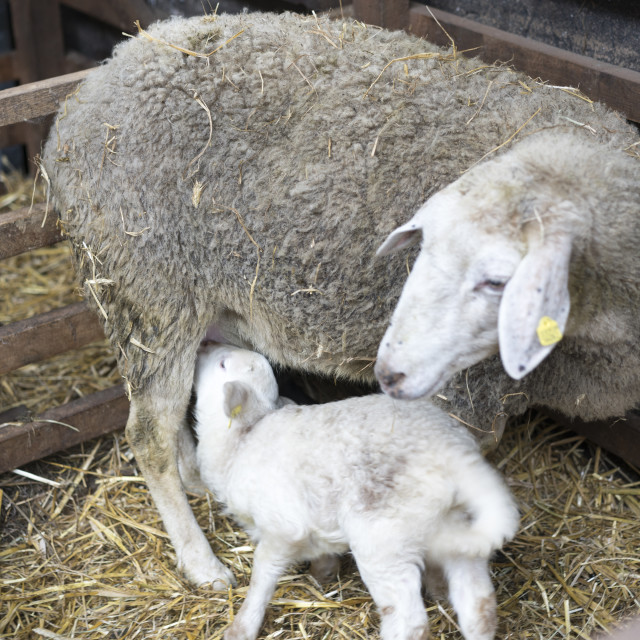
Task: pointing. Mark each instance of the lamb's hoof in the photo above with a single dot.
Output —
(237, 632)
(223, 584)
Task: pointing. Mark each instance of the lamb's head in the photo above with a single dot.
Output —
(235, 383)
(492, 274)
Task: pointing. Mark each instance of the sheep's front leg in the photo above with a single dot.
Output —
(269, 563)
(152, 431)
(472, 595)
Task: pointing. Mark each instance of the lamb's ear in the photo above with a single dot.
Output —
(405, 236)
(237, 398)
(242, 402)
(535, 306)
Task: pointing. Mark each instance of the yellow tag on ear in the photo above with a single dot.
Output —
(234, 414)
(548, 331)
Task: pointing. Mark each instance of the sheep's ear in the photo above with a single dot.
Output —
(405, 236)
(535, 306)
(241, 402)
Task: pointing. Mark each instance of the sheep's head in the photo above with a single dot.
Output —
(491, 275)
(236, 382)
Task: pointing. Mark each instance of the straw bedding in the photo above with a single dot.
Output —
(83, 553)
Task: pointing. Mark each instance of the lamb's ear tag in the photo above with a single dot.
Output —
(234, 414)
(548, 331)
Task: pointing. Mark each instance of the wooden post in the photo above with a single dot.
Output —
(390, 14)
(39, 51)
(37, 33)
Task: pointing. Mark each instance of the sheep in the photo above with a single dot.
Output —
(548, 280)
(401, 483)
(240, 172)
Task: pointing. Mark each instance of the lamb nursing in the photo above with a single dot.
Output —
(401, 484)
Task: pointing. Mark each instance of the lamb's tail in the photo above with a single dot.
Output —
(482, 517)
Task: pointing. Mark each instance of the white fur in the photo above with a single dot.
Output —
(400, 483)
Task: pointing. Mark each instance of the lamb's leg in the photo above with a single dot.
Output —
(435, 582)
(155, 418)
(269, 563)
(395, 584)
(472, 596)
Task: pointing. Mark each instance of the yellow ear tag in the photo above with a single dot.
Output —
(548, 331)
(234, 414)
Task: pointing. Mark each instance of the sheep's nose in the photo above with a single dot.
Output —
(390, 380)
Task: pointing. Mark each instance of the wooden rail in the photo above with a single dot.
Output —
(615, 86)
(26, 229)
(72, 423)
(391, 14)
(37, 99)
(46, 335)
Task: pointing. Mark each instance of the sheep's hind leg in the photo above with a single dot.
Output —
(395, 584)
(472, 595)
(153, 431)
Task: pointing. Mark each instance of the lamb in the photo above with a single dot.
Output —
(400, 483)
(244, 180)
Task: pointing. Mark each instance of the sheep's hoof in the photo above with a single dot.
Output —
(213, 574)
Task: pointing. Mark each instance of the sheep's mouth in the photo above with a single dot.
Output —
(407, 388)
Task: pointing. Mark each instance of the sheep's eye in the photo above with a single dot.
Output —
(492, 285)
(222, 364)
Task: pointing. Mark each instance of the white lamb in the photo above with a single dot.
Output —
(399, 483)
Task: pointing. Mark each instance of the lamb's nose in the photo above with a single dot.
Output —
(390, 380)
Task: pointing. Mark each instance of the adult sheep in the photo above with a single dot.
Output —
(240, 172)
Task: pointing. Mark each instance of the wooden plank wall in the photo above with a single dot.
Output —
(616, 86)
(74, 326)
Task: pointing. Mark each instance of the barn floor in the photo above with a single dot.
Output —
(83, 554)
